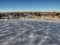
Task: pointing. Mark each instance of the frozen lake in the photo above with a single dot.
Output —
(25, 32)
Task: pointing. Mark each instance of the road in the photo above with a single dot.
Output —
(25, 32)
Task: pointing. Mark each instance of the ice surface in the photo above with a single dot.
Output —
(25, 32)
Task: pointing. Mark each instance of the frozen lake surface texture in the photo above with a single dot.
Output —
(26, 32)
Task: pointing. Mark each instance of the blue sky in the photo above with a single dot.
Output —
(29, 5)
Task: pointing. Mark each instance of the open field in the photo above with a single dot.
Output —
(25, 32)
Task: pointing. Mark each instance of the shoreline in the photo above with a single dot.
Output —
(55, 21)
(42, 20)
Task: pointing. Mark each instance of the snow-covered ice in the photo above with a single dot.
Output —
(29, 32)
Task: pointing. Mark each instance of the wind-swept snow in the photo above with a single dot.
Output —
(29, 32)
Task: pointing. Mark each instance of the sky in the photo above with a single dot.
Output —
(29, 5)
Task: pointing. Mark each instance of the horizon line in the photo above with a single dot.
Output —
(28, 11)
